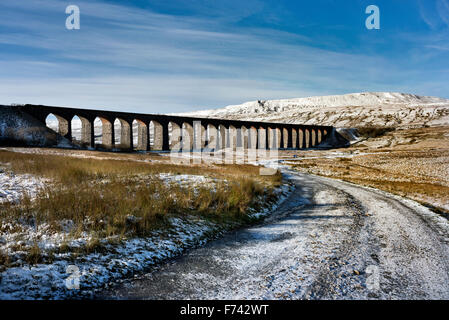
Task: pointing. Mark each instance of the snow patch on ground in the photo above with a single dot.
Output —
(14, 187)
(188, 179)
(192, 181)
(44, 281)
(96, 270)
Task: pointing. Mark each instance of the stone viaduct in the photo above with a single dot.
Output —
(167, 132)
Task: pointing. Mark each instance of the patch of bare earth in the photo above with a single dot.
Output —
(412, 163)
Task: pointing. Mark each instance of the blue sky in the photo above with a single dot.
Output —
(162, 56)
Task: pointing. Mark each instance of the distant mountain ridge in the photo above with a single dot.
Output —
(348, 110)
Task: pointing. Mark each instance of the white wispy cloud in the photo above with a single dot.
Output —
(152, 95)
(140, 60)
(443, 10)
(435, 13)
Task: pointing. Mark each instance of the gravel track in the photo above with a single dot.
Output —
(328, 240)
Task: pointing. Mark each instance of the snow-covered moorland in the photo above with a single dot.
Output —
(39, 252)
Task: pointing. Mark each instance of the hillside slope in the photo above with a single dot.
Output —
(349, 110)
(18, 128)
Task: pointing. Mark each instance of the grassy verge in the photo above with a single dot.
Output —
(125, 198)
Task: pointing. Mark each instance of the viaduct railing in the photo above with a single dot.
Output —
(166, 132)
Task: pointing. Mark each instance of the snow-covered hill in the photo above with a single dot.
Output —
(349, 110)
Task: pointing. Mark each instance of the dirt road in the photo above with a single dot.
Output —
(328, 240)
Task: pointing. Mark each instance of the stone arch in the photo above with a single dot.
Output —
(241, 144)
(231, 141)
(98, 131)
(313, 138)
(286, 137)
(118, 132)
(273, 138)
(300, 139)
(319, 137)
(135, 132)
(175, 140)
(307, 139)
(324, 135)
(140, 135)
(123, 134)
(279, 139)
(263, 137)
(199, 136)
(155, 135)
(222, 136)
(245, 137)
(252, 138)
(187, 136)
(211, 138)
(242, 138)
(104, 132)
(59, 124)
(86, 132)
(270, 137)
(294, 138)
(52, 122)
(76, 126)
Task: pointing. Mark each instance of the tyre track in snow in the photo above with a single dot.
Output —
(328, 240)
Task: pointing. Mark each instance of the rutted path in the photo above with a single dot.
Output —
(328, 240)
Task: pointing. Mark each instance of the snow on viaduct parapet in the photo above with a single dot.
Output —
(167, 132)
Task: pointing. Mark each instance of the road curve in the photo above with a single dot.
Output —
(328, 240)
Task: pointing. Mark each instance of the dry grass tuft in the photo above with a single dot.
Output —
(34, 255)
(4, 260)
(126, 198)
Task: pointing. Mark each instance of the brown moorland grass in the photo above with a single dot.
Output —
(69, 169)
(386, 172)
(413, 163)
(127, 198)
